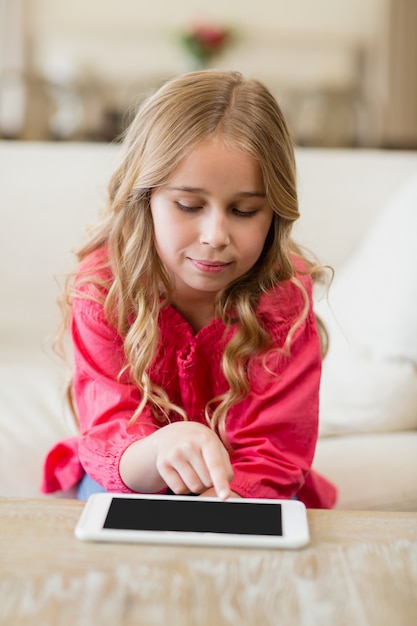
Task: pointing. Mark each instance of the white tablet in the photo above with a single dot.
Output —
(193, 520)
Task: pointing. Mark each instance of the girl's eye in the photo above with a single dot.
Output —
(244, 213)
(187, 209)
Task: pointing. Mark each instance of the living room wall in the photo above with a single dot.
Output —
(98, 58)
(125, 39)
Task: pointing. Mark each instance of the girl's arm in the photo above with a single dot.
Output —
(273, 432)
(105, 401)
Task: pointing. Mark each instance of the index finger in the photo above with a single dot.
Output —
(218, 464)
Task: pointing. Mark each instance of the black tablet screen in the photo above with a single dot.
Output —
(196, 515)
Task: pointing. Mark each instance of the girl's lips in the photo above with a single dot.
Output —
(209, 267)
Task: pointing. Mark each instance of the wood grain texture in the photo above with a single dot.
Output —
(360, 569)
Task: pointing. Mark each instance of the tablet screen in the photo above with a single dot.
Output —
(196, 515)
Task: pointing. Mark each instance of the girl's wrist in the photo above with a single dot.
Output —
(137, 467)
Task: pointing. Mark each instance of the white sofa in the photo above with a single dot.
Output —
(49, 192)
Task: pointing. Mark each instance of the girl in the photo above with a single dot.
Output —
(197, 356)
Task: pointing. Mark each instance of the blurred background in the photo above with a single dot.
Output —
(345, 73)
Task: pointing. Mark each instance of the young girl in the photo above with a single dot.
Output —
(197, 356)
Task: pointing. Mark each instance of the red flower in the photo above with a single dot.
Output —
(204, 42)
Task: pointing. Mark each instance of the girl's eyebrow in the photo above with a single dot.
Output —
(188, 189)
(241, 194)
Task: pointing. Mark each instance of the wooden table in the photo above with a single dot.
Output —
(360, 569)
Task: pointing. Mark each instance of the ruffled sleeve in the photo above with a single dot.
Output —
(105, 403)
(273, 432)
(105, 400)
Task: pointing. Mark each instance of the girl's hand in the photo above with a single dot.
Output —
(191, 458)
(187, 457)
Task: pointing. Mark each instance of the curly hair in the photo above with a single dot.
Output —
(182, 113)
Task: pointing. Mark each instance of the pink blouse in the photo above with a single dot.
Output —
(273, 431)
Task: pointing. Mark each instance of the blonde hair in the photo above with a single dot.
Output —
(180, 114)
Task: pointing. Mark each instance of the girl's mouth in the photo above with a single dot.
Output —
(209, 267)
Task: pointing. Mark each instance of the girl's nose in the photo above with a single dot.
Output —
(215, 229)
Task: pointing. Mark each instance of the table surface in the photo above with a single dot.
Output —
(359, 569)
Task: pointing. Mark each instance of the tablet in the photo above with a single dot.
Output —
(194, 521)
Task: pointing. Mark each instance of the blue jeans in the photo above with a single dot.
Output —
(87, 487)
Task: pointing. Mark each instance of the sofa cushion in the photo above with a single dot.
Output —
(49, 193)
(33, 415)
(370, 374)
(372, 471)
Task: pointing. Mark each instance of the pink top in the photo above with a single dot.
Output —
(273, 431)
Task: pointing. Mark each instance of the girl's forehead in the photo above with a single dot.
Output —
(212, 158)
(216, 146)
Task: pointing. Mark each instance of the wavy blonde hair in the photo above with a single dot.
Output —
(182, 113)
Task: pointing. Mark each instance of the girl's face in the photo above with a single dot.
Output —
(210, 220)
